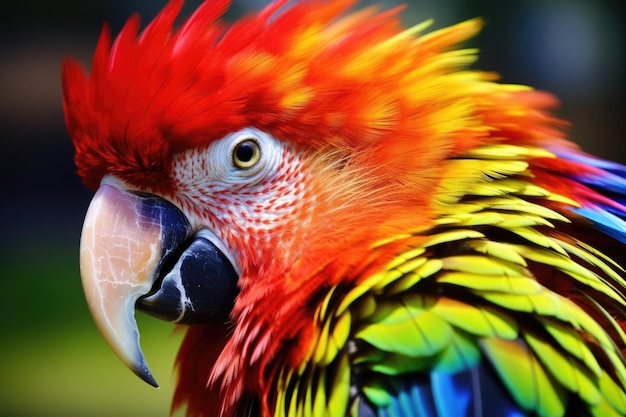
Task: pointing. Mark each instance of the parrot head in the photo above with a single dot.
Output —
(240, 171)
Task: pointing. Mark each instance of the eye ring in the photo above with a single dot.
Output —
(246, 153)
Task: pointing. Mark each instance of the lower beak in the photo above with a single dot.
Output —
(138, 251)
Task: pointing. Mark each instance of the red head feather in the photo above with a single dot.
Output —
(297, 71)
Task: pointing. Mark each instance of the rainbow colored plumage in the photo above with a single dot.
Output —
(414, 238)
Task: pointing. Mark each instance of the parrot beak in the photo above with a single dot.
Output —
(138, 251)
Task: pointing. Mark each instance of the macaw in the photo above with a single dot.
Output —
(347, 218)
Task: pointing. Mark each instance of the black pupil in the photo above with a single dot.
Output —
(245, 151)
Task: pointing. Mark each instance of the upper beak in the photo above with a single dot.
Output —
(139, 251)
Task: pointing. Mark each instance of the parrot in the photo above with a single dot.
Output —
(346, 218)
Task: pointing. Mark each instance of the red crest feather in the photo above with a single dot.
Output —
(299, 71)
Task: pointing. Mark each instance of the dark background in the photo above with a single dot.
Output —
(52, 360)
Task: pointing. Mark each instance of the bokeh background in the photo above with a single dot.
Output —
(53, 362)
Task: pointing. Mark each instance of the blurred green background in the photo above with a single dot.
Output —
(53, 362)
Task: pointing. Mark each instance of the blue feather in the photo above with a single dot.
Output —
(612, 179)
(605, 222)
(474, 392)
(610, 182)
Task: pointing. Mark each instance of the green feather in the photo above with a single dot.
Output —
(538, 238)
(316, 398)
(524, 376)
(404, 257)
(455, 235)
(322, 345)
(422, 268)
(517, 205)
(573, 269)
(475, 320)
(395, 364)
(602, 262)
(572, 342)
(430, 333)
(377, 393)
(584, 248)
(503, 251)
(544, 302)
(568, 372)
(497, 283)
(481, 266)
(339, 336)
(462, 353)
(613, 393)
(339, 395)
(582, 321)
(604, 409)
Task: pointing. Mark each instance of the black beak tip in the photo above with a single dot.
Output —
(145, 374)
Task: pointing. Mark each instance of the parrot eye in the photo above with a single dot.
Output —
(243, 157)
(246, 154)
